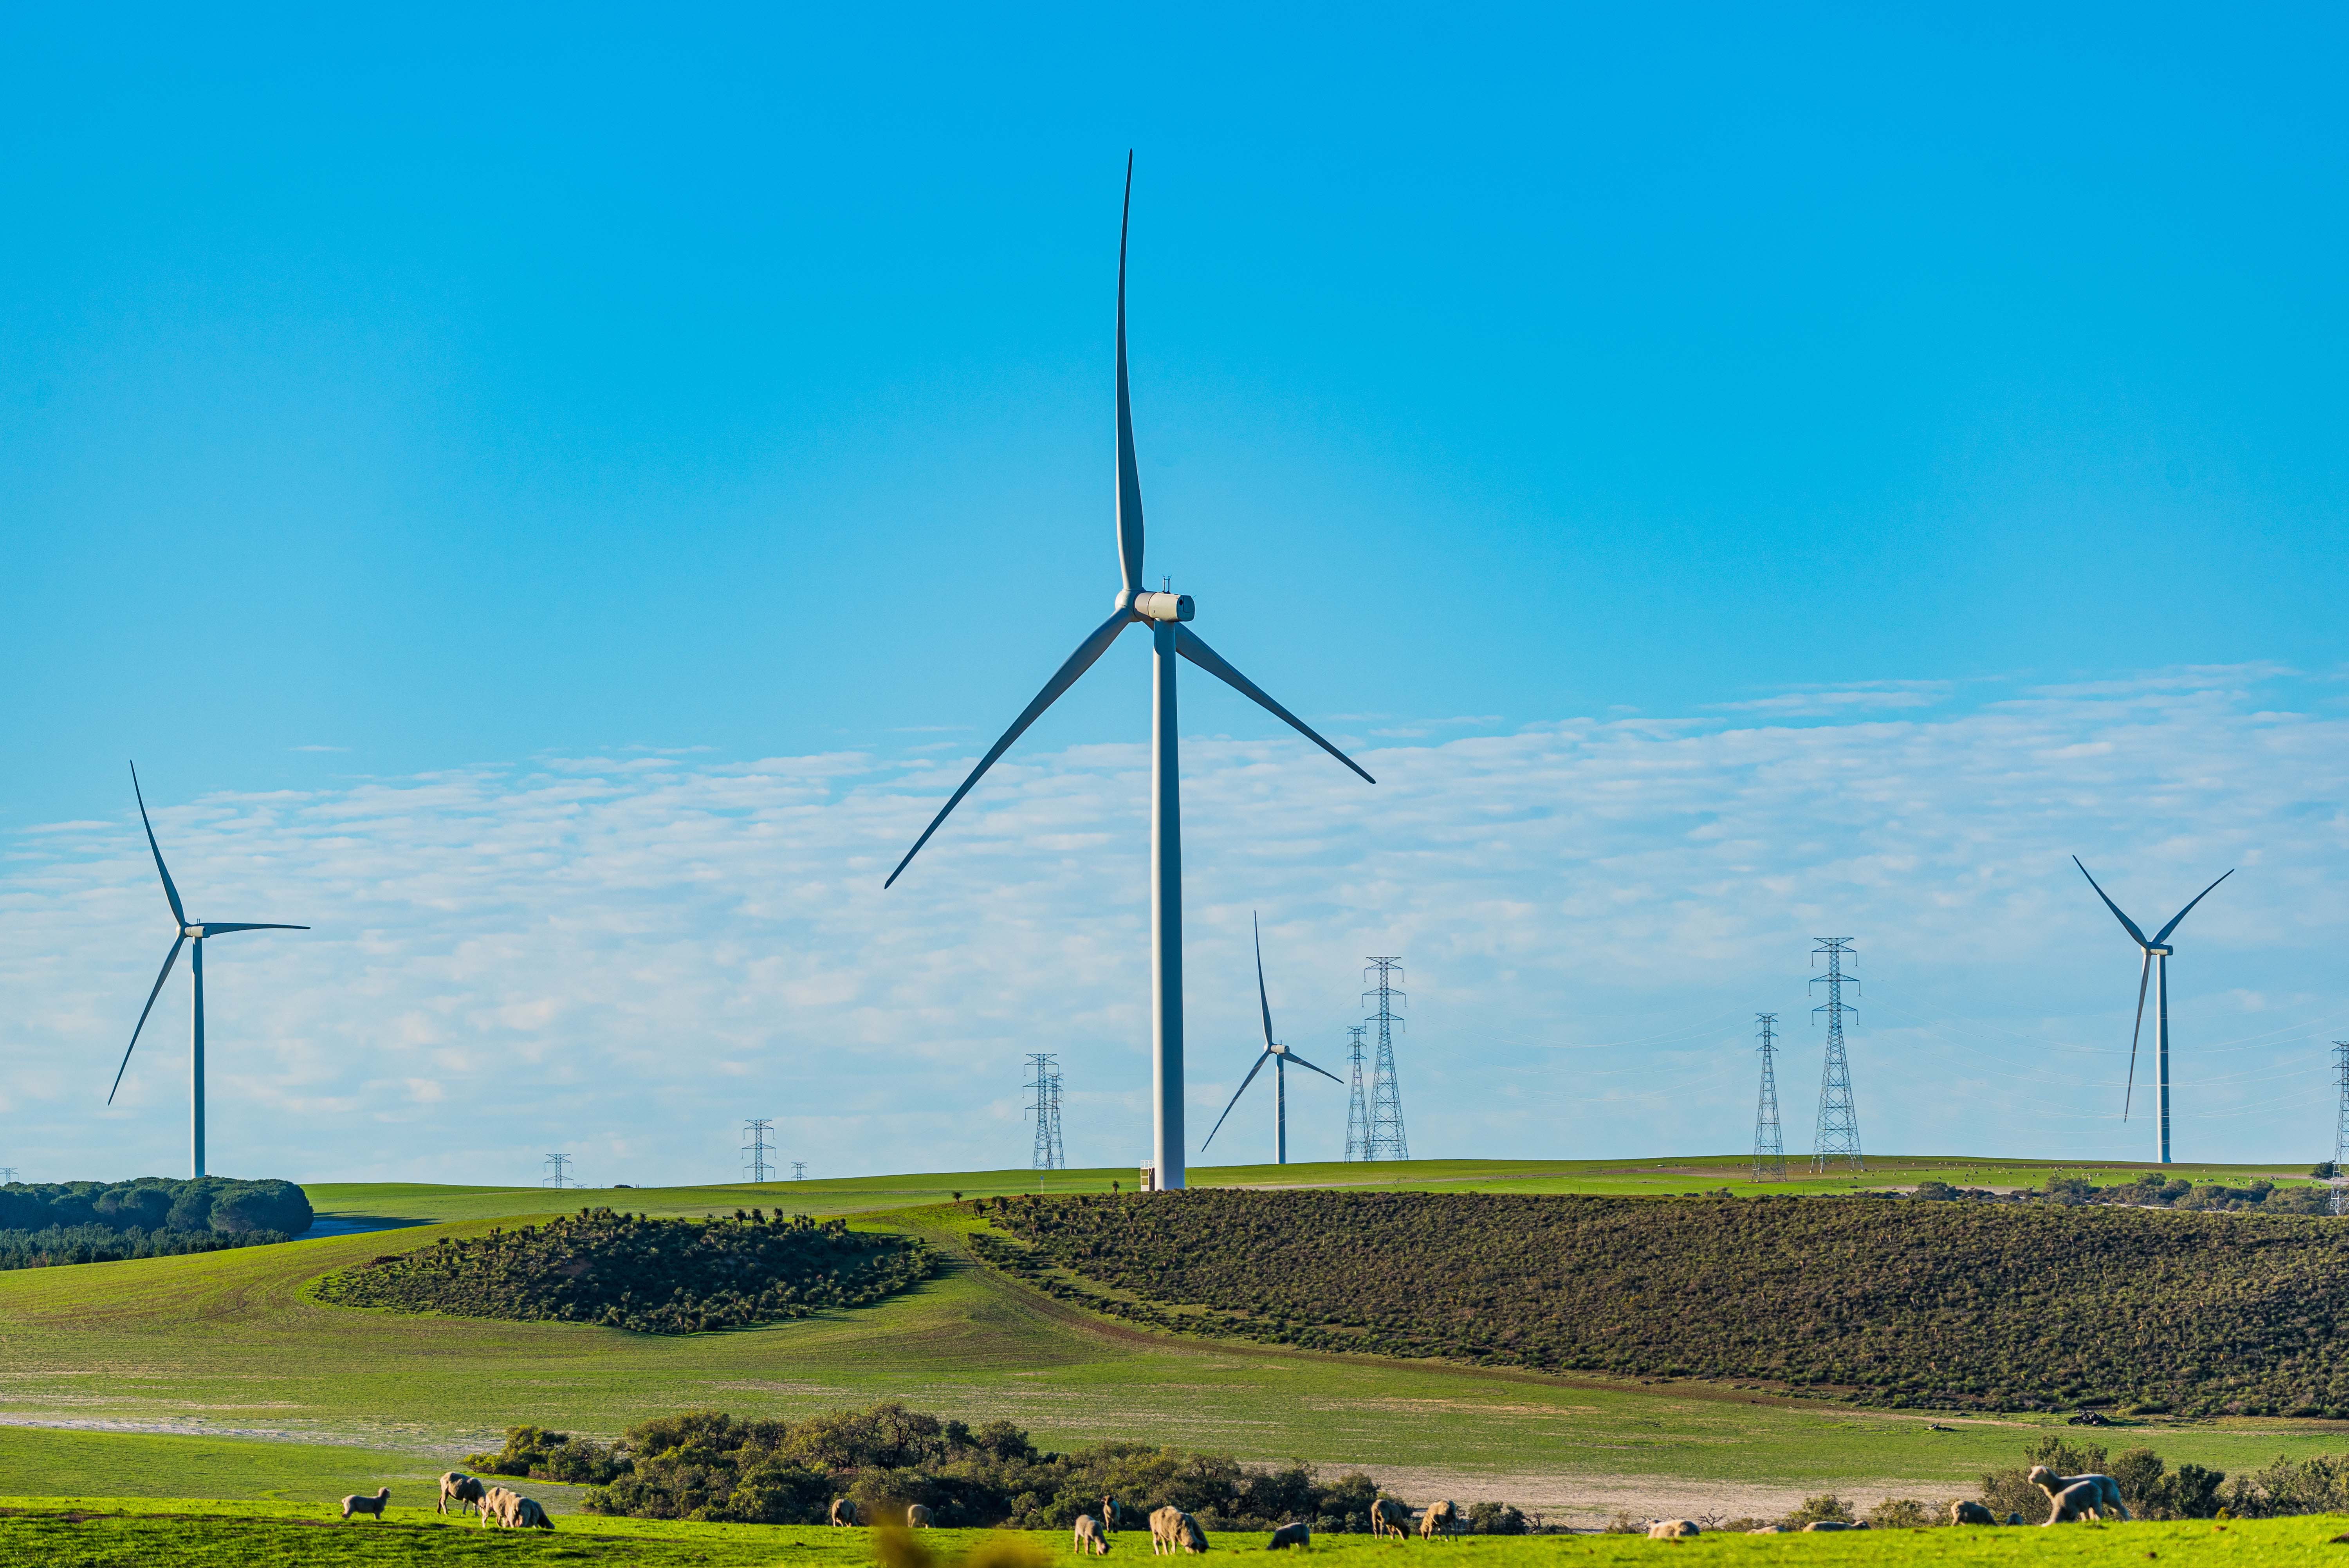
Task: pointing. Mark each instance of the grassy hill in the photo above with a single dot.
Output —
(229, 1344)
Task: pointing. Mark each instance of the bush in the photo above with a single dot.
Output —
(653, 1276)
(1825, 1506)
(707, 1465)
(1905, 1513)
(1945, 1303)
(542, 1455)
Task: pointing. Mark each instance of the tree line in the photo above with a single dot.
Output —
(631, 1271)
(46, 1224)
(1903, 1304)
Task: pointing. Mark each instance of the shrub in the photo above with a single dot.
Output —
(653, 1276)
(1825, 1506)
(542, 1455)
(1905, 1513)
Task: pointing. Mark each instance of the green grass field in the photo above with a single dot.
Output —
(226, 1343)
(119, 1534)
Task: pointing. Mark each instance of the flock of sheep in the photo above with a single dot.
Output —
(506, 1509)
(2072, 1498)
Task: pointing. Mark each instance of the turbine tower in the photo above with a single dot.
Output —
(1280, 1056)
(2340, 1193)
(188, 932)
(1165, 614)
(2154, 965)
(1769, 1142)
(1387, 1141)
(1358, 1104)
(1837, 1137)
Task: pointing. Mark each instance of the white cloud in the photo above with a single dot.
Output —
(625, 956)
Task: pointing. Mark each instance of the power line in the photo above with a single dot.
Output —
(1387, 1140)
(1837, 1135)
(1046, 1106)
(7, 1173)
(754, 1146)
(1358, 1105)
(558, 1167)
(1769, 1143)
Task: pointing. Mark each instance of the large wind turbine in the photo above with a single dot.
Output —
(1280, 1055)
(188, 932)
(2155, 964)
(1165, 614)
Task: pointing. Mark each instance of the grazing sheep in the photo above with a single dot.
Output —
(1176, 1530)
(2105, 1502)
(1288, 1535)
(1112, 1515)
(1970, 1513)
(528, 1515)
(1089, 1539)
(459, 1488)
(917, 1516)
(495, 1504)
(1389, 1517)
(1673, 1528)
(1832, 1525)
(2075, 1502)
(1768, 1529)
(1441, 1519)
(373, 1505)
(844, 1512)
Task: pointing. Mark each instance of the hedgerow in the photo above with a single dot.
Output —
(48, 1224)
(61, 1244)
(654, 1276)
(1897, 1303)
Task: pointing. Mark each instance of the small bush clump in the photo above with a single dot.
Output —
(653, 1276)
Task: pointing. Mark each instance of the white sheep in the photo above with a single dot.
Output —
(373, 1505)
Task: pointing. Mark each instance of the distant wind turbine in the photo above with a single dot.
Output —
(2155, 963)
(188, 932)
(1280, 1055)
(1165, 614)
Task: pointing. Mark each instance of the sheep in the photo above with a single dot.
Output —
(1176, 1530)
(373, 1505)
(495, 1504)
(917, 1516)
(528, 1515)
(1389, 1517)
(844, 1512)
(459, 1488)
(1112, 1515)
(1832, 1525)
(1673, 1528)
(1970, 1513)
(1087, 1538)
(1288, 1535)
(1441, 1519)
(2076, 1502)
(2105, 1502)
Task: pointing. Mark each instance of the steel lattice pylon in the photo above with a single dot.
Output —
(2341, 1129)
(1387, 1140)
(1046, 1086)
(1358, 1102)
(755, 1147)
(1837, 1137)
(1769, 1142)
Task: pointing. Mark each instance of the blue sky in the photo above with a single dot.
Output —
(395, 416)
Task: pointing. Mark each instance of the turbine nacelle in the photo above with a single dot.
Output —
(1159, 607)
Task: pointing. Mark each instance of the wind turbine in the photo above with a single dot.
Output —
(1280, 1055)
(1165, 615)
(2155, 963)
(188, 932)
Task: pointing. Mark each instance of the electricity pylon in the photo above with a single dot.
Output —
(1769, 1143)
(1358, 1105)
(1387, 1141)
(1837, 1135)
(754, 1146)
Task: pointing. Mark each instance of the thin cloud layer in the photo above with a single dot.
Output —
(622, 957)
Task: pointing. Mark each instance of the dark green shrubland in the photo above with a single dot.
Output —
(152, 1217)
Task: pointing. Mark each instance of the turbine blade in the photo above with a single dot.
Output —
(1261, 999)
(170, 892)
(2144, 972)
(1301, 1062)
(165, 973)
(213, 930)
(1262, 1057)
(2127, 923)
(2164, 934)
(1129, 478)
(1189, 644)
(1091, 649)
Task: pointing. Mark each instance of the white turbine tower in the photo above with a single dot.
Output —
(1280, 1055)
(1165, 614)
(188, 932)
(2155, 964)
